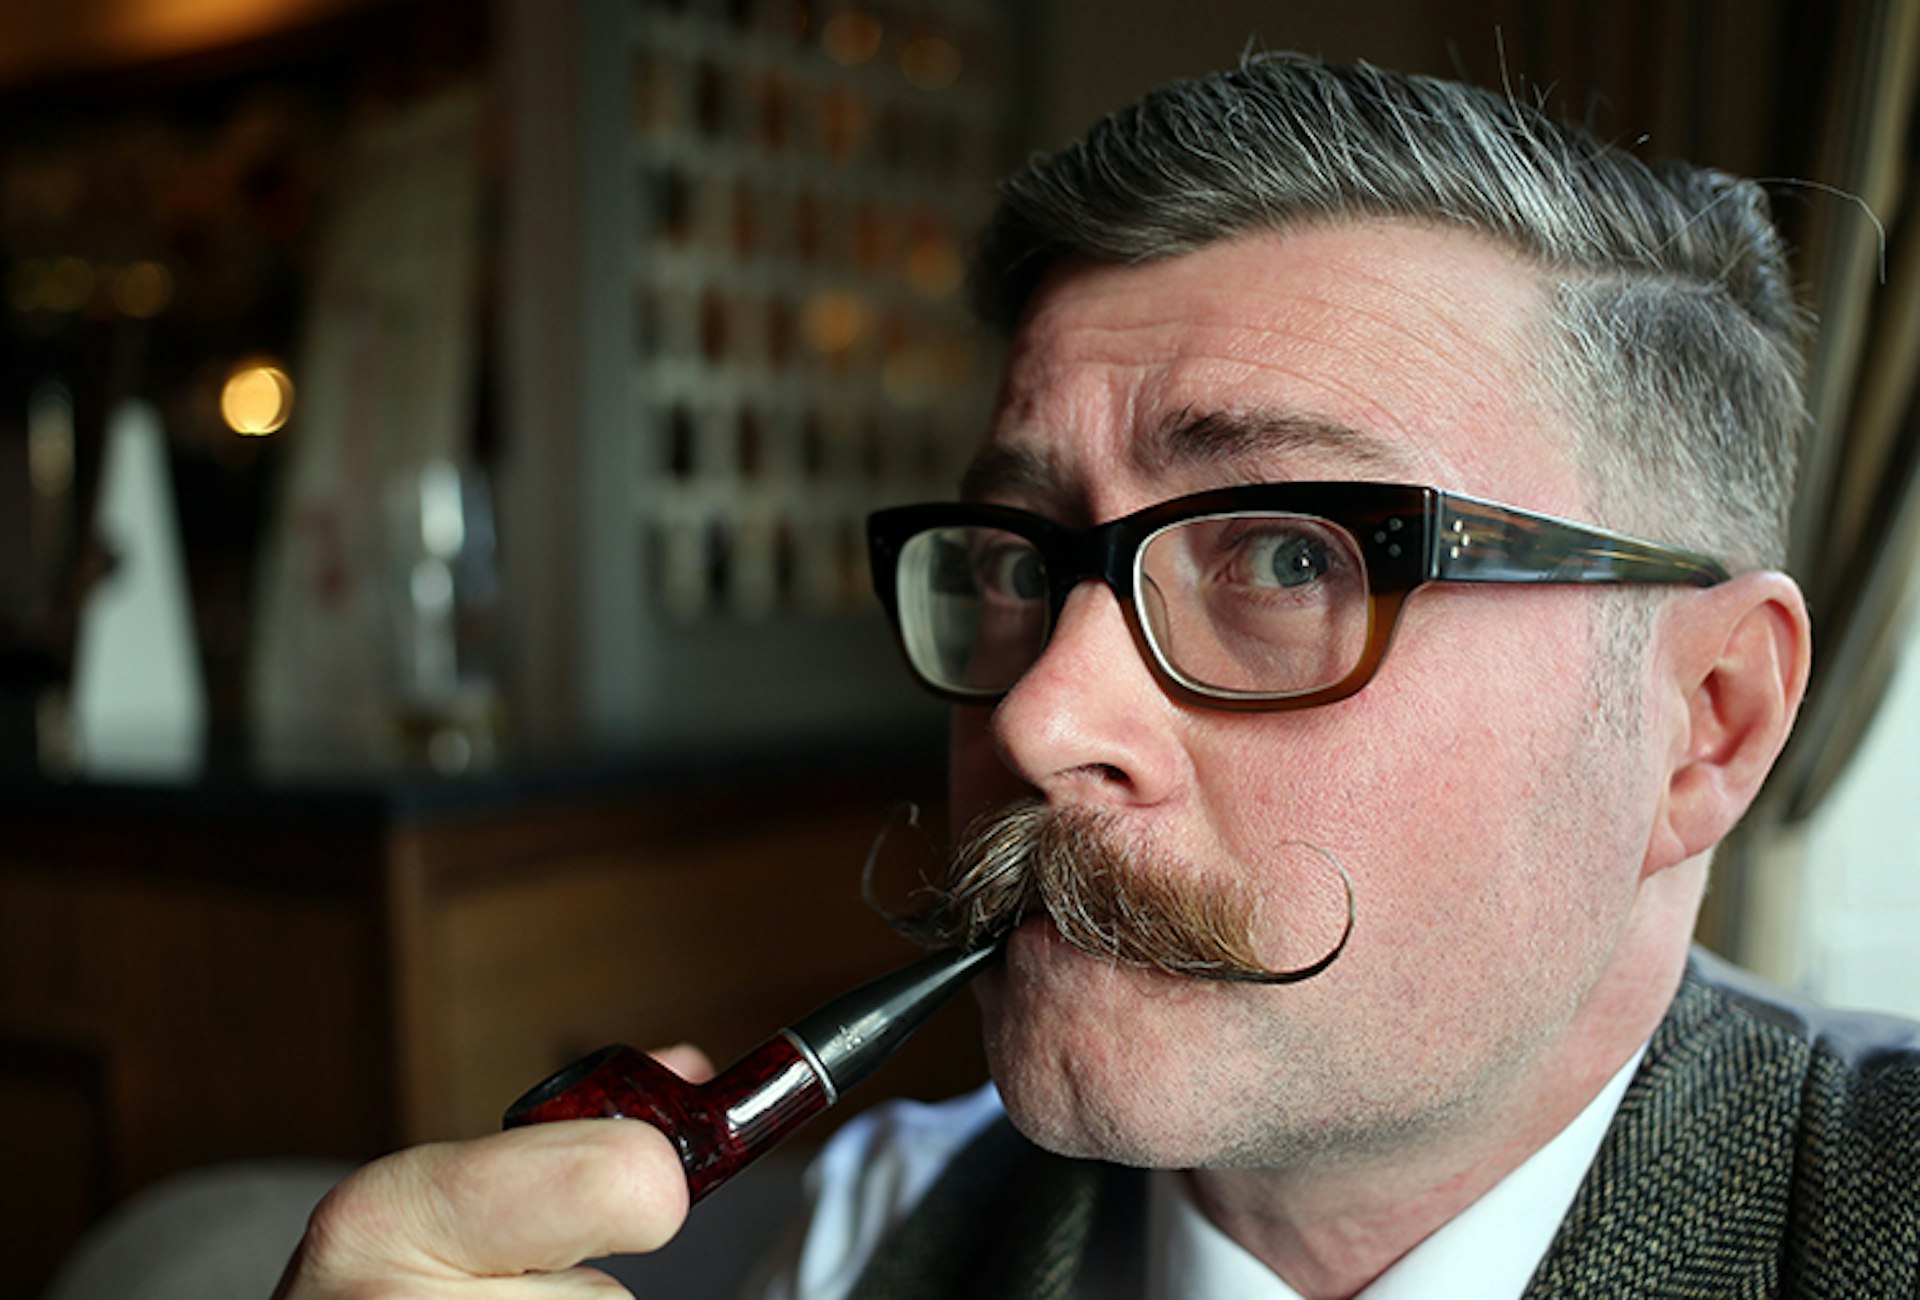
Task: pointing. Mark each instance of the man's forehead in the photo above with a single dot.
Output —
(1374, 351)
(1229, 445)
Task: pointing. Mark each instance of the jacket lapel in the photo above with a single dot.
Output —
(1689, 1192)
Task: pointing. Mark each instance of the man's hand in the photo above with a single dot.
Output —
(511, 1214)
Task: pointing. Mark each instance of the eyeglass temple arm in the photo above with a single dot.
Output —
(1478, 541)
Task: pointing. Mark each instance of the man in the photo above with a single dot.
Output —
(1199, 659)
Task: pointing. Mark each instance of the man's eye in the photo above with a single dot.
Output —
(1010, 571)
(1281, 559)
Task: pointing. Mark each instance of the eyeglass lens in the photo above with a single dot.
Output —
(1253, 603)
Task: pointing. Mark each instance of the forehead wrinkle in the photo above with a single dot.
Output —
(1190, 437)
(1452, 344)
(1028, 454)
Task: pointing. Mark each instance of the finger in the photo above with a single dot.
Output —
(585, 1188)
(685, 1060)
(537, 1198)
(573, 1284)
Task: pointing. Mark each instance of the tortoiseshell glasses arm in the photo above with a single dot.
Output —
(1478, 541)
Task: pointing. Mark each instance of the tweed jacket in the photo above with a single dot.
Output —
(1763, 1149)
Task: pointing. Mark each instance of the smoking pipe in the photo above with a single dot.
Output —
(724, 1124)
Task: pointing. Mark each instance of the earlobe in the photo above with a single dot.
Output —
(1736, 659)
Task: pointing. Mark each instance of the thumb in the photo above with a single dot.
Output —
(533, 1199)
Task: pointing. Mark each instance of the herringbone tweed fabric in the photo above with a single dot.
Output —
(1762, 1150)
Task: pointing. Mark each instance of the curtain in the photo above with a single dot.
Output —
(1857, 526)
(1857, 522)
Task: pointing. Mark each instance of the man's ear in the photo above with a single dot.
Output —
(1732, 664)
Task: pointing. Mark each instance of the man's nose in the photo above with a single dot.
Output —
(1089, 721)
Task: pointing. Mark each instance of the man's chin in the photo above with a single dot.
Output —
(1078, 1048)
(1089, 1126)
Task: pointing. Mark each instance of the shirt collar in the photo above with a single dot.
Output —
(1486, 1252)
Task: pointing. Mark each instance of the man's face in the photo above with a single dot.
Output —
(1493, 831)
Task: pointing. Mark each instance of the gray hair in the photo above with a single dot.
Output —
(1675, 345)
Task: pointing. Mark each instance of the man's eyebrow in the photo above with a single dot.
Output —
(1222, 437)
(1006, 470)
(1189, 437)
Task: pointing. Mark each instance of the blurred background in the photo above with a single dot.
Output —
(434, 440)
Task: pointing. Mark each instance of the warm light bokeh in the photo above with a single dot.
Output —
(257, 399)
(90, 35)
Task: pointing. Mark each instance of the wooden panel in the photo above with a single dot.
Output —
(719, 941)
(242, 1025)
(246, 984)
(55, 1154)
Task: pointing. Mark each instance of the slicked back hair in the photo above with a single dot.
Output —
(1673, 346)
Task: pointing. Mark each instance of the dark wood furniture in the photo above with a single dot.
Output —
(231, 971)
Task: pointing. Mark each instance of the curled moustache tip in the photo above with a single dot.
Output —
(1307, 972)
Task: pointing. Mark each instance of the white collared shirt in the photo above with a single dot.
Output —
(1486, 1252)
(872, 1173)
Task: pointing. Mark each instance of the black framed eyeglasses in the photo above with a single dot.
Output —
(1263, 597)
